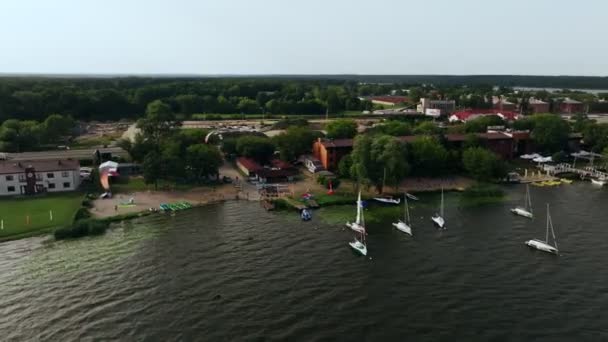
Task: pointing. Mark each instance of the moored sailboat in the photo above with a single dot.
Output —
(438, 217)
(359, 243)
(544, 245)
(405, 225)
(358, 225)
(525, 211)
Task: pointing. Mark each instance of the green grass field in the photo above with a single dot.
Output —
(14, 213)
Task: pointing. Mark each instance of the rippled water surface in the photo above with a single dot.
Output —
(235, 272)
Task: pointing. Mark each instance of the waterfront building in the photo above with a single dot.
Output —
(538, 106)
(570, 106)
(29, 177)
(434, 107)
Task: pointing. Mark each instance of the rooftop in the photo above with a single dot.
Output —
(12, 166)
(391, 99)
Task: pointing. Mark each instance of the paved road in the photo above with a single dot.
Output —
(65, 154)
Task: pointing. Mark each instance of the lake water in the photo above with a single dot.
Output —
(232, 272)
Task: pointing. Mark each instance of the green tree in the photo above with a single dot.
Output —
(396, 128)
(152, 168)
(342, 129)
(294, 142)
(480, 125)
(159, 123)
(428, 157)
(482, 164)
(258, 148)
(345, 165)
(378, 160)
(56, 126)
(190, 104)
(202, 160)
(550, 132)
(427, 127)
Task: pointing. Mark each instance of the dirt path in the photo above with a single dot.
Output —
(145, 200)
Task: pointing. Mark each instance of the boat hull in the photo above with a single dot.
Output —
(541, 246)
(402, 226)
(388, 201)
(598, 182)
(522, 212)
(439, 221)
(356, 227)
(358, 247)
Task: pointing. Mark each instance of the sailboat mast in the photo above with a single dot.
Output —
(548, 220)
(528, 198)
(441, 210)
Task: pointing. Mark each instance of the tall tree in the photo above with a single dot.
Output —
(152, 168)
(427, 156)
(258, 148)
(159, 123)
(203, 161)
(482, 164)
(341, 129)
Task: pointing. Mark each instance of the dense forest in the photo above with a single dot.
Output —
(126, 98)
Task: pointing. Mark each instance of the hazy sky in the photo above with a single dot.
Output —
(554, 37)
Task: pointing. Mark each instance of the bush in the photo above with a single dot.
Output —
(483, 190)
(81, 228)
(325, 181)
(87, 203)
(82, 214)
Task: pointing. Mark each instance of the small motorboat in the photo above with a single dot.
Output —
(388, 200)
(305, 215)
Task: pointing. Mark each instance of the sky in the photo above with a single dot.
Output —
(526, 37)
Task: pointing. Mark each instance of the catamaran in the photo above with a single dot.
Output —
(438, 218)
(359, 244)
(358, 226)
(525, 211)
(544, 245)
(405, 225)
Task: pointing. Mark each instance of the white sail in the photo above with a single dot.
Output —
(438, 218)
(358, 244)
(526, 210)
(405, 225)
(359, 224)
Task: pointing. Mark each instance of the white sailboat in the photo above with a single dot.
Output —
(405, 225)
(359, 244)
(525, 211)
(544, 245)
(358, 226)
(598, 181)
(438, 218)
(388, 200)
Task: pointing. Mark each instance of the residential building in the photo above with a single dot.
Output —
(330, 151)
(538, 106)
(29, 177)
(430, 107)
(502, 104)
(279, 171)
(505, 144)
(570, 106)
(472, 114)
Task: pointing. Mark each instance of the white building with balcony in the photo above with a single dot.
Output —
(29, 177)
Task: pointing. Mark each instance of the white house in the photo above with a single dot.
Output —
(28, 177)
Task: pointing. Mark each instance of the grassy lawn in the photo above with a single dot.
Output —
(14, 212)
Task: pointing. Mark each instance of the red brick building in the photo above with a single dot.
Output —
(507, 145)
(538, 106)
(570, 106)
(330, 151)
